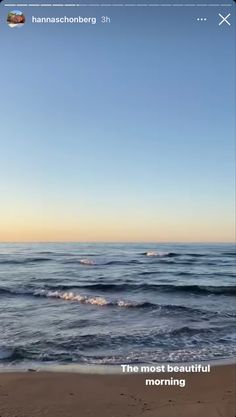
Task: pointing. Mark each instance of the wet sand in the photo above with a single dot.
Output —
(57, 394)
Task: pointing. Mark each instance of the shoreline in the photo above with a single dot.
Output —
(60, 394)
(100, 369)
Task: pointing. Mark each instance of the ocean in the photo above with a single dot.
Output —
(111, 304)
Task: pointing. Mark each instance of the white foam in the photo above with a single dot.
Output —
(70, 296)
(100, 301)
(157, 253)
(122, 303)
(83, 299)
(87, 262)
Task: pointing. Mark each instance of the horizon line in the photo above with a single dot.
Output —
(115, 242)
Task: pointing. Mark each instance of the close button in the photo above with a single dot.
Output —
(224, 19)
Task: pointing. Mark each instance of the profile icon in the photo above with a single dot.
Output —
(15, 19)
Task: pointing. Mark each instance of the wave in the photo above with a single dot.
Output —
(213, 275)
(6, 353)
(101, 301)
(75, 348)
(91, 262)
(204, 289)
(12, 292)
(93, 259)
(57, 291)
(160, 254)
(196, 289)
(173, 254)
(192, 331)
(29, 352)
(23, 261)
(193, 289)
(87, 262)
(96, 300)
(123, 262)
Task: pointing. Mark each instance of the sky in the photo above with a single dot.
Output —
(118, 132)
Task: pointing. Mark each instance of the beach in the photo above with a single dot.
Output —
(64, 394)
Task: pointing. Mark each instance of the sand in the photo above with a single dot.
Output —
(54, 394)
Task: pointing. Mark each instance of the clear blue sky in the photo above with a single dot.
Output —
(118, 132)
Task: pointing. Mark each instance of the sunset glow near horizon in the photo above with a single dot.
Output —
(52, 227)
(109, 135)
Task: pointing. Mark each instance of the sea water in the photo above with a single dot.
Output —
(111, 304)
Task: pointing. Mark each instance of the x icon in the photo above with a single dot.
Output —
(224, 19)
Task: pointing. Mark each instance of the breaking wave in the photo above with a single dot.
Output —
(91, 262)
(172, 254)
(57, 291)
(84, 299)
(87, 262)
(175, 340)
(193, 289)
(161, 254)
